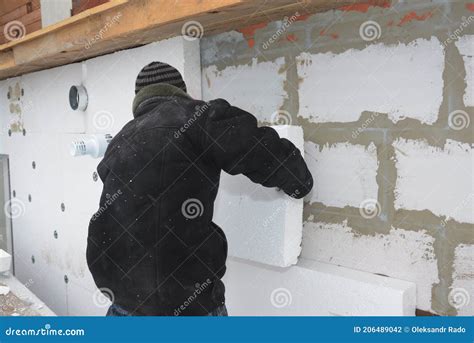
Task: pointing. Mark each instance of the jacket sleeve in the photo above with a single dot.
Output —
(238, 146)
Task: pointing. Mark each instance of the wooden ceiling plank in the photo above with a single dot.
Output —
(140, 22)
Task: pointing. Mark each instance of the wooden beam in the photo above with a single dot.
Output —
(120, 24)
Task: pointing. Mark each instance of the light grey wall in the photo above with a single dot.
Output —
(3, 199)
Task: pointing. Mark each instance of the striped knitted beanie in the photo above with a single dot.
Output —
(159, 72)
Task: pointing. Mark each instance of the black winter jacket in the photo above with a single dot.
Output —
(152, 245)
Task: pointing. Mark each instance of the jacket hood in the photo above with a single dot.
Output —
(155, 90)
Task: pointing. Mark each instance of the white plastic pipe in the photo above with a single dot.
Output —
(93, 145)
(78, 98)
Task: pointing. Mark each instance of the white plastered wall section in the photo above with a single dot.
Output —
(58, 178)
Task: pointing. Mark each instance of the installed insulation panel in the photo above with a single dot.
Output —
(56, 199)
(314, 289)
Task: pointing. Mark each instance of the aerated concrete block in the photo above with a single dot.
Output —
(344, 174)
(435, 179)
(465, 45)
(258, 88)
(261, 224)
(461, 291)
(339, 87)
